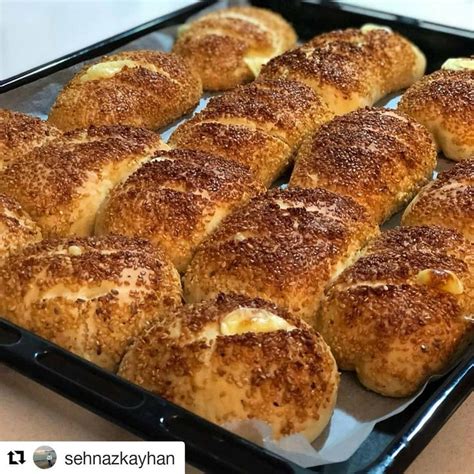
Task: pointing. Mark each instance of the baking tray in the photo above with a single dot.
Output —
(391, 446)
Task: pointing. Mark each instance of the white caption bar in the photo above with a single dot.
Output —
(34, 457)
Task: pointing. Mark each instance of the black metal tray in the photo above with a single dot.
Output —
(392, 445)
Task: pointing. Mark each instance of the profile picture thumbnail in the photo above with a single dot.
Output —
(44, 457)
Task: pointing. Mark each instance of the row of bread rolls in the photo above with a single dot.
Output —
(347, 69)
(123, 180)
(151, 89)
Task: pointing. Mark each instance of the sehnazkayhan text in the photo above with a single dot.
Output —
(119, 459)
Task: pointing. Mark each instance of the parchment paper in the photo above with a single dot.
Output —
(357, 409)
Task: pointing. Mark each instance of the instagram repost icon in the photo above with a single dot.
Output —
(44, 457)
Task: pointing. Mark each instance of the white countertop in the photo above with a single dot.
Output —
(34, 32)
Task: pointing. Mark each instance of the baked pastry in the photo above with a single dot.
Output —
(260, 125)
(283, 246)
(90, 295)
(20, 133)
(228, 47)
(378, 157)
(16, 227)
(444, 103)
(62, 184)
(447, 201)
(401, 312)
(236, 359)
(139, 88)
(351, 68)
(176, 199)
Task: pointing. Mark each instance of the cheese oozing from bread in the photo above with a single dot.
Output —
(444, 280)
(457, 64)
(108, 69)
(244, 320)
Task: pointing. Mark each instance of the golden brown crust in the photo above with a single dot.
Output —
(260, 124)
(444, 103)
(176, 199)
(16, 227)
(157, 89)
(448, 201)
(20, 133)
(219, 43)
(89, 295)
(283, 246)
(285, 378)
(351, 68)
(62, 184)
(391, 325)
(266, 156)
(378, 157)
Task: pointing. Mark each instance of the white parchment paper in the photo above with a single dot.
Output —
(357, 409)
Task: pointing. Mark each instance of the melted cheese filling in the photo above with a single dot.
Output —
(244, 320)
(457, 64)
(255, 63)
(444, 280)
(107, 69)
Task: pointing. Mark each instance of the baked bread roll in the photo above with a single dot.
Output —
(62, 184)
(283, 246)
(228, 47)
(235, 359)
(20, 133)
(260, 125)
(91, 295)
(351, 68)
(16, 227)
(139, 88)
(444, 103)
(176, 199)
(378, 157)
(447, 201)
(401, 312)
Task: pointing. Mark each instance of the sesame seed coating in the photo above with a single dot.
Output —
(444, 103)
(151, 90)
(91, 295)
(376, 156)
(283, 246)
(350, 68)
(20, 133)
(62, 184)
(266, 156)
(16, 227)
(286, 378)
(260, 125)
(392, 327)
(447, 201)
(218, 44)
(176, 199)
